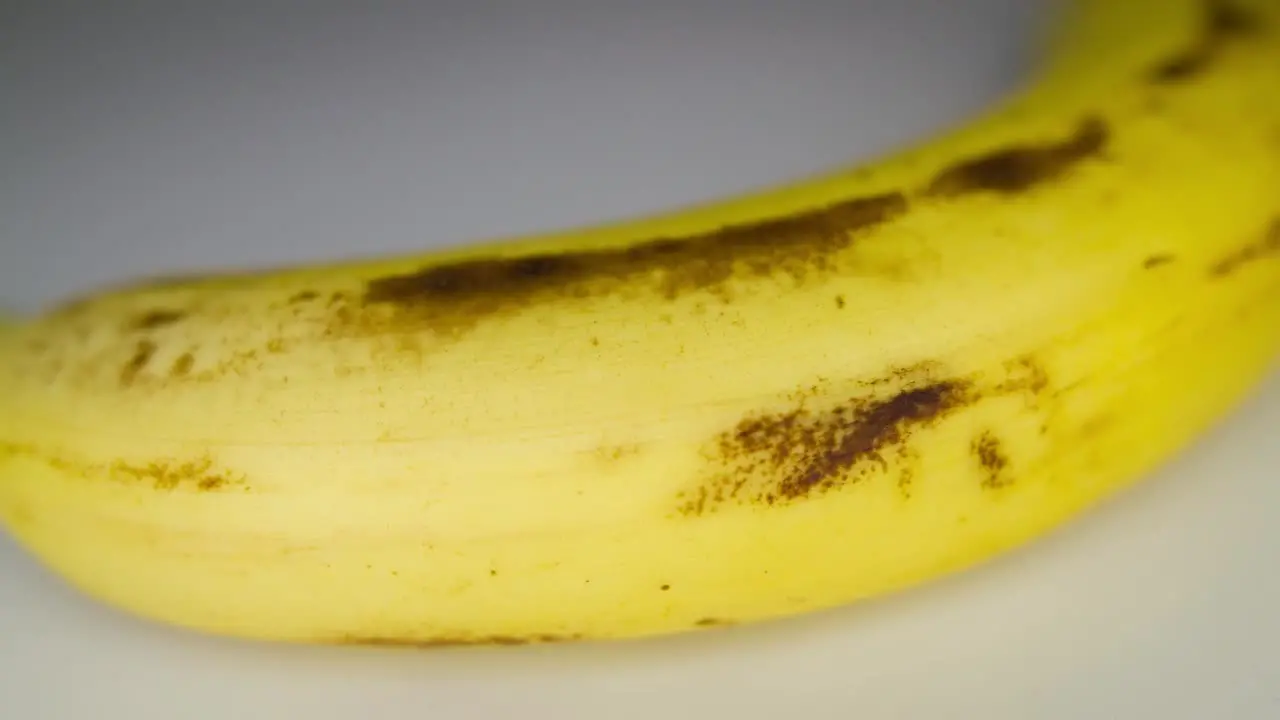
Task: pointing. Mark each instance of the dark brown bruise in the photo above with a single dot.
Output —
(452, 298)
(1021, 168)
(777, 458)
(1267, 247)
(142, 354)
(990, 454)
(1223, 22)
(456, 641)
(153, 319)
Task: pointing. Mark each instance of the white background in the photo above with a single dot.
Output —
(138, 138)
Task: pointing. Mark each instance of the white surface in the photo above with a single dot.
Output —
(195, 134)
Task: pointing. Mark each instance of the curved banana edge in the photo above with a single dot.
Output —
(1048, 391)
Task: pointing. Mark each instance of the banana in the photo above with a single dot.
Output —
(724, 414)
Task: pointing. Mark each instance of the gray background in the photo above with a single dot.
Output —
(138, 138)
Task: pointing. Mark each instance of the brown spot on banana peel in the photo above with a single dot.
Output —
(143, 351)
(1021, 168)
(452, 298)
(782, 457)
(779, 457)
(1223, 21)
(1266, 248)
(153, 319)
(200, 475)
(1156, 261)
(613, 454)
(1026, 372)
(11, 451)
(182, 366)
(989, 451)
(906, 477)
(455, 641)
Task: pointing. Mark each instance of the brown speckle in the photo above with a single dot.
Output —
(182, 366)
(1025, 374)
(609, 454)
(55, 460)
(1095, 426)
(1182, 66)
(211, 482)
(1267, 247)
(1223, 21)
(1021, 168)
(456, 641)
(143, 351)
(710, 622)
(989, 451)
(275, 346)
(233, 362)
(840, 302)
(305, 296)
(452, 298)
(198, 474)
(906, 478)
(665, 588)
(1155, 261)
(776, 458)
(153, 319)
